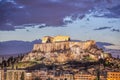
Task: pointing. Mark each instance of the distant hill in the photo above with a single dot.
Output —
(16, 47)
(60, 52)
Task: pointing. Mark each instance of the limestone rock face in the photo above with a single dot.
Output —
(50, 47)
(60, 52)
(88, 44)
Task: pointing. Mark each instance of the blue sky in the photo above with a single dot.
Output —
(80, 19)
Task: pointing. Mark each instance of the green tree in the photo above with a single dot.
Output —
(4, 63)
(9, 61)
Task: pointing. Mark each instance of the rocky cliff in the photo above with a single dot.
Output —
(60, 52)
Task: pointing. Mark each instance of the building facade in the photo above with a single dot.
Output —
(28, 76)
(1, 74)
(50, 75)
(15, 74)
(113, 75)
(84, 77)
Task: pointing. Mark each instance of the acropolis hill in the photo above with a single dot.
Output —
(60, 58)
(61, 49)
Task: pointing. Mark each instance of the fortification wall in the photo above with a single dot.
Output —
(49, 47)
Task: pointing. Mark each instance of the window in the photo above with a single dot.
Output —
(65, 79)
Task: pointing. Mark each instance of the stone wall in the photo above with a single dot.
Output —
(49, 47)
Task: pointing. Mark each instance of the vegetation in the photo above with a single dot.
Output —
(25, 64)
(11, 61)
(88, 58)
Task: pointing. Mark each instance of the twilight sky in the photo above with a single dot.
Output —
(28, 20)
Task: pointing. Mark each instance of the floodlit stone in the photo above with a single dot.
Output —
(49, 39)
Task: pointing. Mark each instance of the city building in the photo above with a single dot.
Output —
(68, 76)
(1, 74)
(14, 75)
(84, 77)
(113, 75)
(44, 74)
(28, 76)
(102, 78)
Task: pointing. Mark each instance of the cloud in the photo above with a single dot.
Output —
(42, 25)
(27, 30)
(49, 12)
(106, 8)
(68, 19)
(7, 28)
(115, 30)
(103, 28)
(115, 11)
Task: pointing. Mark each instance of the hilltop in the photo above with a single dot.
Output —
(60, 50)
